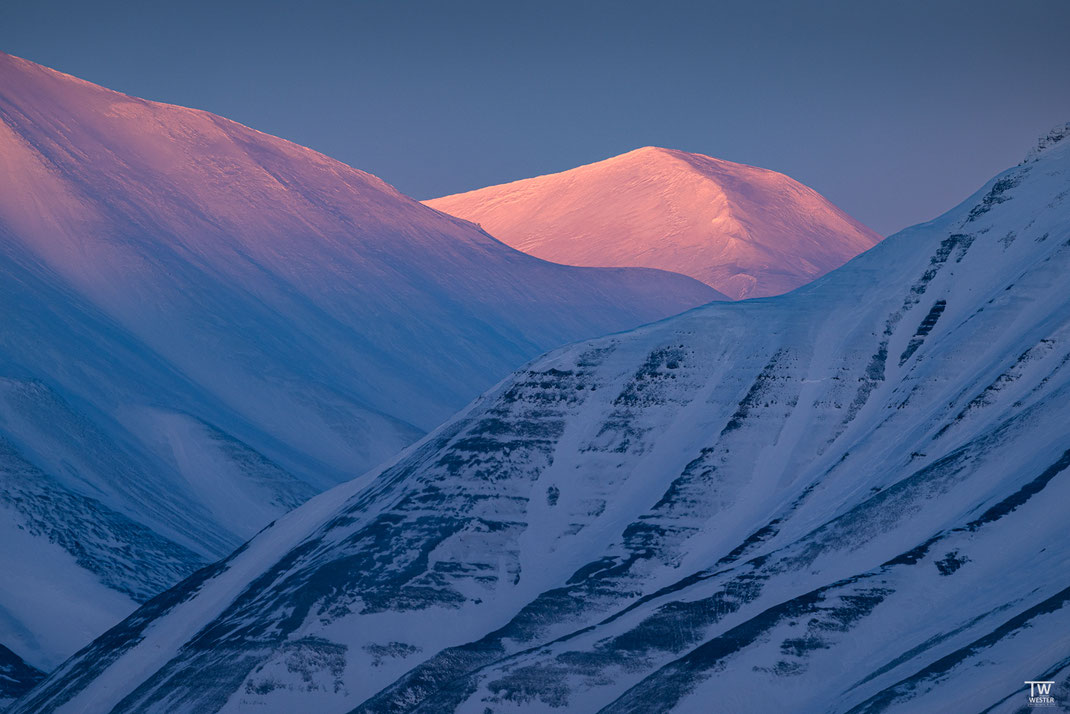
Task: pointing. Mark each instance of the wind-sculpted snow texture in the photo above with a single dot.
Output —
(847, 499)
(205, 325)
(746, 231)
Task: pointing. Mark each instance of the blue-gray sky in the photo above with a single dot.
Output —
(894, 110)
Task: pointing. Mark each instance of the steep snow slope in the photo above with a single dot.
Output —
(16, 677)
(859, 507)
(205, 325)
(746, 231)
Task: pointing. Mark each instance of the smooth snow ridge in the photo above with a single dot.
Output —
(748, 232)
(846, 499)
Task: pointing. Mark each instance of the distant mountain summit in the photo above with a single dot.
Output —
(748, 232)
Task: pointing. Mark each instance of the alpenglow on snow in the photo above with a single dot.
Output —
(746, 231)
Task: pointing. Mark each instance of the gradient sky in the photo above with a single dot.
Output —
(894, 110)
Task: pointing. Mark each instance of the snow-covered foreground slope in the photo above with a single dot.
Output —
(204, 325)
(746, 231)
(849, 499)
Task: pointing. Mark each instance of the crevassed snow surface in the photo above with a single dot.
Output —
(848, 499)
(205, 325)
(746, 231)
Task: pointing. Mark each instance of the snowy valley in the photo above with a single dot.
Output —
(850, 498)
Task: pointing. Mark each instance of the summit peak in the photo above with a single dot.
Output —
(744, 230)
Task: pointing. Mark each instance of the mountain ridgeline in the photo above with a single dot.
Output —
(748, 232)
(847, 499)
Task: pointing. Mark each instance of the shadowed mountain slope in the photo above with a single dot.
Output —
(205, 325)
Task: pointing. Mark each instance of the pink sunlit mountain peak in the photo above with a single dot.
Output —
(746, 231)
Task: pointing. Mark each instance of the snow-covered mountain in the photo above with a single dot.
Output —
(205, 325)
(746, 231)
(846, 499)
(16, 677)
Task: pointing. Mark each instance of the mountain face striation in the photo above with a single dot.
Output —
(846, 499)
(746, 231)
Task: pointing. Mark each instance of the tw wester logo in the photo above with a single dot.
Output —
(1040, 694)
